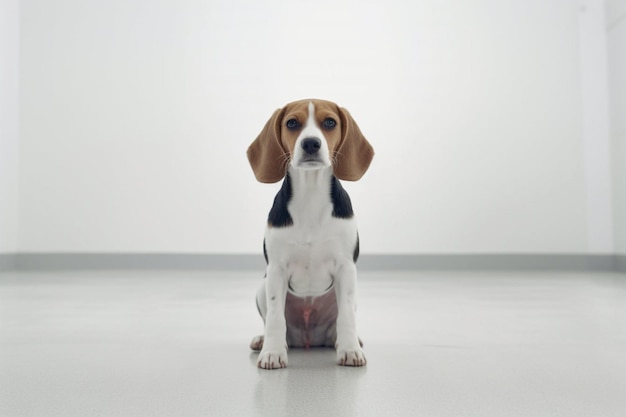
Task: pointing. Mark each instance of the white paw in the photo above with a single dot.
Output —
(351, 357)
(272, 359)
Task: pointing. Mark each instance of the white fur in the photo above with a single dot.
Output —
(310, 258)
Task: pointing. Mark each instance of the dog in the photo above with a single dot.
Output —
(308, 296)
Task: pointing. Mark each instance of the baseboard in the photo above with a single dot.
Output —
(620, 263)
(167, 261)
(569, 262)
(367, 262)
(7, 261)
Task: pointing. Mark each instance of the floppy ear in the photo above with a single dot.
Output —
(267, 154)
(354, 154)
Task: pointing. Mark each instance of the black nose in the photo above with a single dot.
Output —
(311, 145)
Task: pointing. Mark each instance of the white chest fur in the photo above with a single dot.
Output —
(311, 251)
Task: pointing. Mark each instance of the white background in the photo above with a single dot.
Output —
(498, 125)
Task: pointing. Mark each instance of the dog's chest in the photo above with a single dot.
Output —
(310, 249)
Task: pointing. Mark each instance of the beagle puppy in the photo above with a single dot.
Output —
(308, 296)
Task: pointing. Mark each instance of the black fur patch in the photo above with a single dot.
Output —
(355, 255)
(265, 252)
(342, 206)
(279, 215)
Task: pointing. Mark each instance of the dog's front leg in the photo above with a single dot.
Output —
(274, 352)
(349, 352)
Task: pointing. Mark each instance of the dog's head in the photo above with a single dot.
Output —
(310, 134)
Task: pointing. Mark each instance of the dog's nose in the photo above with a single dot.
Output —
(311, 145)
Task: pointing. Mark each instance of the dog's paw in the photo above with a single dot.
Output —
(351, 357)
(273, 359)
(257, 343)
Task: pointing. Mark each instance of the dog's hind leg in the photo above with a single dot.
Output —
(257, 343)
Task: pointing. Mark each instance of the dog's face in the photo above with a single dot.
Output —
(310, 134)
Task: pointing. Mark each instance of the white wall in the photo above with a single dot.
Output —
(9, 140)
(596, 125)
(136, 114)
(616, 27)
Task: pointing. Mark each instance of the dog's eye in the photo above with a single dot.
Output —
(329, 123)
(292, 124)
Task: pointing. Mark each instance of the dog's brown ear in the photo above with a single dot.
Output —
(354, 154)
(267, 156)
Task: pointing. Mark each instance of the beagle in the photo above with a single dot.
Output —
(308, 296)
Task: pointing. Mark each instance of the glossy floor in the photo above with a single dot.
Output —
(438, 344)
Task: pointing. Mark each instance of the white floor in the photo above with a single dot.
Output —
(438, 344)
